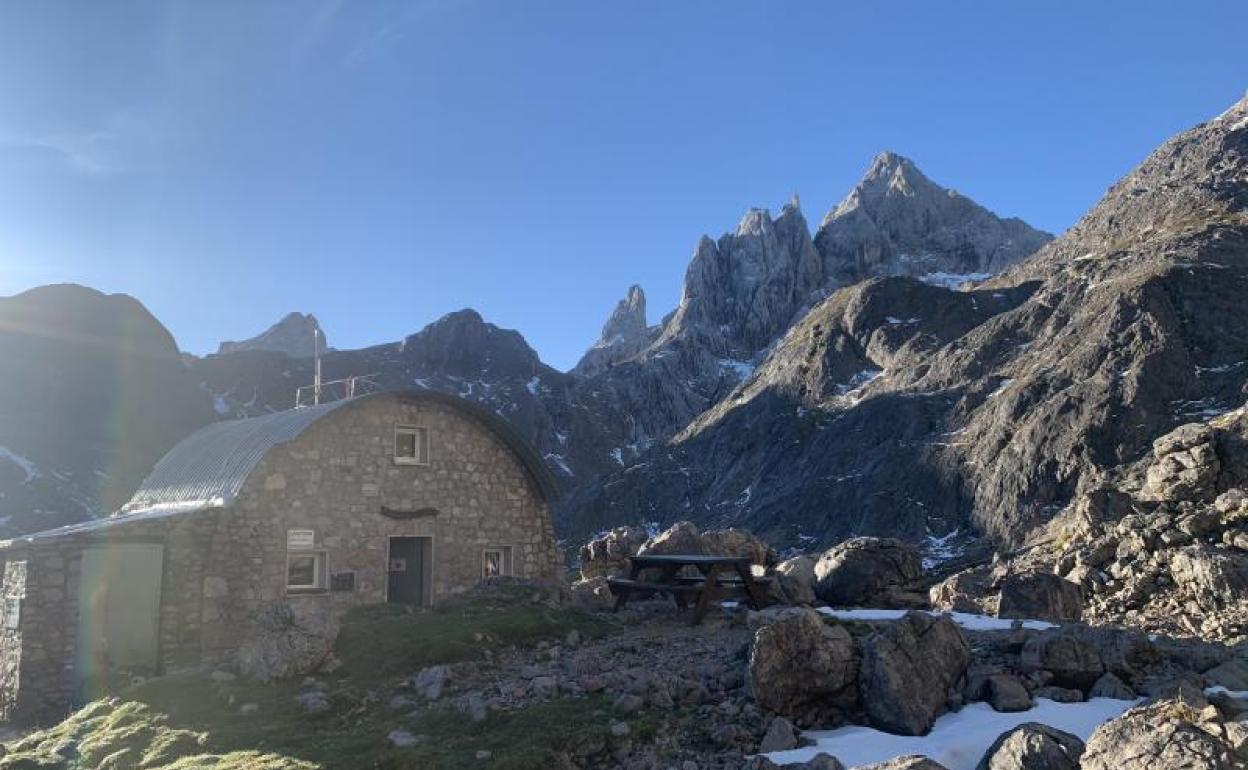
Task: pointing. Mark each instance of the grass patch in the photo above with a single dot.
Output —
(120, 735)
(191, 722)
(393, 640)
(528, 739)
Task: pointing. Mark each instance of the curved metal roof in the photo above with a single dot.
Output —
(209, 467)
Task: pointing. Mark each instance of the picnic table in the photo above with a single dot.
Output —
(718, 577)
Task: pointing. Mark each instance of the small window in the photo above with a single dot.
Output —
(411, 445)
(305, 571)
(307, 567)
(496, 562)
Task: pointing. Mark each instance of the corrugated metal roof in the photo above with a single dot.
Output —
(209, 466)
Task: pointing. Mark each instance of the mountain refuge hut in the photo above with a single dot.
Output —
(406, 497)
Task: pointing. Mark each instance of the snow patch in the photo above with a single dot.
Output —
(533, 384)
(953, 280)
(858, 382)
(741, 369)
(557, 459)
(967, 620)
(958, 740)
(939, 550)
(220, 405)
(28, 466)
(894, 321)
(1001, 386)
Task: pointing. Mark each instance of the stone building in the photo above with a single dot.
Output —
(402, 497)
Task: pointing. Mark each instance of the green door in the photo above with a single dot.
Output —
(118, 615)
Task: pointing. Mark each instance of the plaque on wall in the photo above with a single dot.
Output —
(342, 581)
(419, 513)
(300, 539)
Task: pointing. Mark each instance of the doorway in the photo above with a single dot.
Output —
(118, 616)
(410, 571)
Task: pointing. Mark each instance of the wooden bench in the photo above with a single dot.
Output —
(720, 577)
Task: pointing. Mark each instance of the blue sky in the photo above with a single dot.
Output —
(381, 164)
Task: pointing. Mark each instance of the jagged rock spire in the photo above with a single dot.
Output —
(623, 335)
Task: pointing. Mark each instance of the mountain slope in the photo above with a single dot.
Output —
(896, 407)
(95, 392)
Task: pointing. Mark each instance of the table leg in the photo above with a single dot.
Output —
(710, 588)
(622, 599)
(752, 589)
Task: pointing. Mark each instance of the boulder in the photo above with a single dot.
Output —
(1212, 577)
(430, 682)
(1033, 746)
(909, 762)
(1058, 694)
(1040, 595)
(966, 591)
(780, 736)
(909, 669)
(1072, 661)
(608, 554)
(1110, 686)
(1174, 734)
(1186, 465)
(738, 542)
(681, 537)
(592, 594)
(1006, 694)
(1232, 674)
(866, 570)
(795, 578)
(285, 641)
(799, 663)
(1077, 656)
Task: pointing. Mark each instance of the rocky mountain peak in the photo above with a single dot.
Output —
(897, 221)
(623, 335)
(463, 344)
(294, 335)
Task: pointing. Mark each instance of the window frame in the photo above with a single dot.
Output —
(320, 566)
(507, 559)
(417, 432)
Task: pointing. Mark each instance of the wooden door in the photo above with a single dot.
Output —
(118, 614)
(409, 571)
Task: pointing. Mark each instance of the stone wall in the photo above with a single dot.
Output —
(38, 657)
(337, 476)
(221, 566)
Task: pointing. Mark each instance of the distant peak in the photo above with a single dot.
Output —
(295, 335)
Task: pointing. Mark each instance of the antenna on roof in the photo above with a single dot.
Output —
(316, 364)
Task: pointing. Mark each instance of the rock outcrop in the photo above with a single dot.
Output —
(1182, 733)
(1039, 595)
